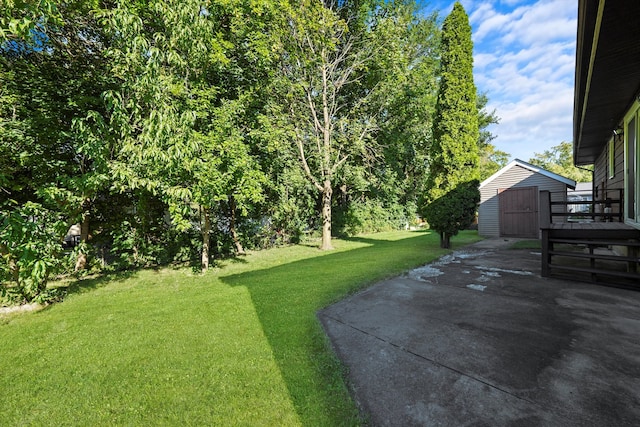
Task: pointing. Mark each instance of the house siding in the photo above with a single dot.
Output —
(516, 176)
(605, 186)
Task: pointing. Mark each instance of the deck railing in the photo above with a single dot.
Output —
(608, 210)
(595, 246)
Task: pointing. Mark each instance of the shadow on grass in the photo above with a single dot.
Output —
(87, 284)
(232, 259)
(92, 282)
(287, 297)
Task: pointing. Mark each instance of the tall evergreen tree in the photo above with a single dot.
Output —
(454, 152)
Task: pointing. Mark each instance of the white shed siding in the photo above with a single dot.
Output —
(516, 176)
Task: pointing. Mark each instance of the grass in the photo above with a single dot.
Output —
(240, 345)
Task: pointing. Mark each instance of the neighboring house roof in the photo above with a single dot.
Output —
(584, 187)
(536, 169)
(606, 79)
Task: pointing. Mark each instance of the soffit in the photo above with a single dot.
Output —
(607, 79)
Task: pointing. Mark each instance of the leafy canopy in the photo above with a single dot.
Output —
(559, 159)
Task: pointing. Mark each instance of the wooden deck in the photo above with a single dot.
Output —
(592, 230)
(601, 252)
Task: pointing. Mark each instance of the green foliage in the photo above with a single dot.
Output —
(54, 77)
(113, 114)
(559, 159)
(453, 211)
(370, 216)
(454, 152)
(322, 65)
(187, 98)
(291, 206)
(491, 159)
(30, 238)
(132, 230)
(406, 70)
(358, 88)
(19, 18)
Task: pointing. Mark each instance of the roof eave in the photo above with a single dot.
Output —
(607, 75)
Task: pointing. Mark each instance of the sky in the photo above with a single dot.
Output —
(524, 60)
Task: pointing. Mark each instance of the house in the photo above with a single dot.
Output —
(582, 193)
(606, 105)
(606, 122)
(509, 199)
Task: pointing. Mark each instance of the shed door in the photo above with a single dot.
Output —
(519, 212)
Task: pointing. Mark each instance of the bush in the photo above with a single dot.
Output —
(369, 216)
(132, 230)
(31, 251)
(454, 211)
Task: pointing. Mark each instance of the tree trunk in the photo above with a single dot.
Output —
(81, 261)
(206, 237)
(327, 192)
(445, 240)
(232, 226)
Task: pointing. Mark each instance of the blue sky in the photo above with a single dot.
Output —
(524, 60)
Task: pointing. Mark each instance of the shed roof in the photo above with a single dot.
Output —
(536, 169)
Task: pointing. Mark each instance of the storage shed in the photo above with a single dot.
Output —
(510, 199)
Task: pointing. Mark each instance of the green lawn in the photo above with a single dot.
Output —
(240, 345)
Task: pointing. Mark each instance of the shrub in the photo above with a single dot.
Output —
(369, 216)
(454, 211)
(31, 251)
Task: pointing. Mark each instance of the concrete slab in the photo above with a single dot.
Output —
(479, 338)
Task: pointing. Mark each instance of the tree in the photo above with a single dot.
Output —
(491, 159)
(52, 72)
(74, 64)
(18, 18)
(454, 210)
(346, 68)
(405, 69)
(189, 74)
(559, 159)
(321, 67)
(454, 152)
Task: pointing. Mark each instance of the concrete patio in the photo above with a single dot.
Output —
(480, 338)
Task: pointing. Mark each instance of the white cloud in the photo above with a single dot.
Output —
(524, 60)
(488, 21)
